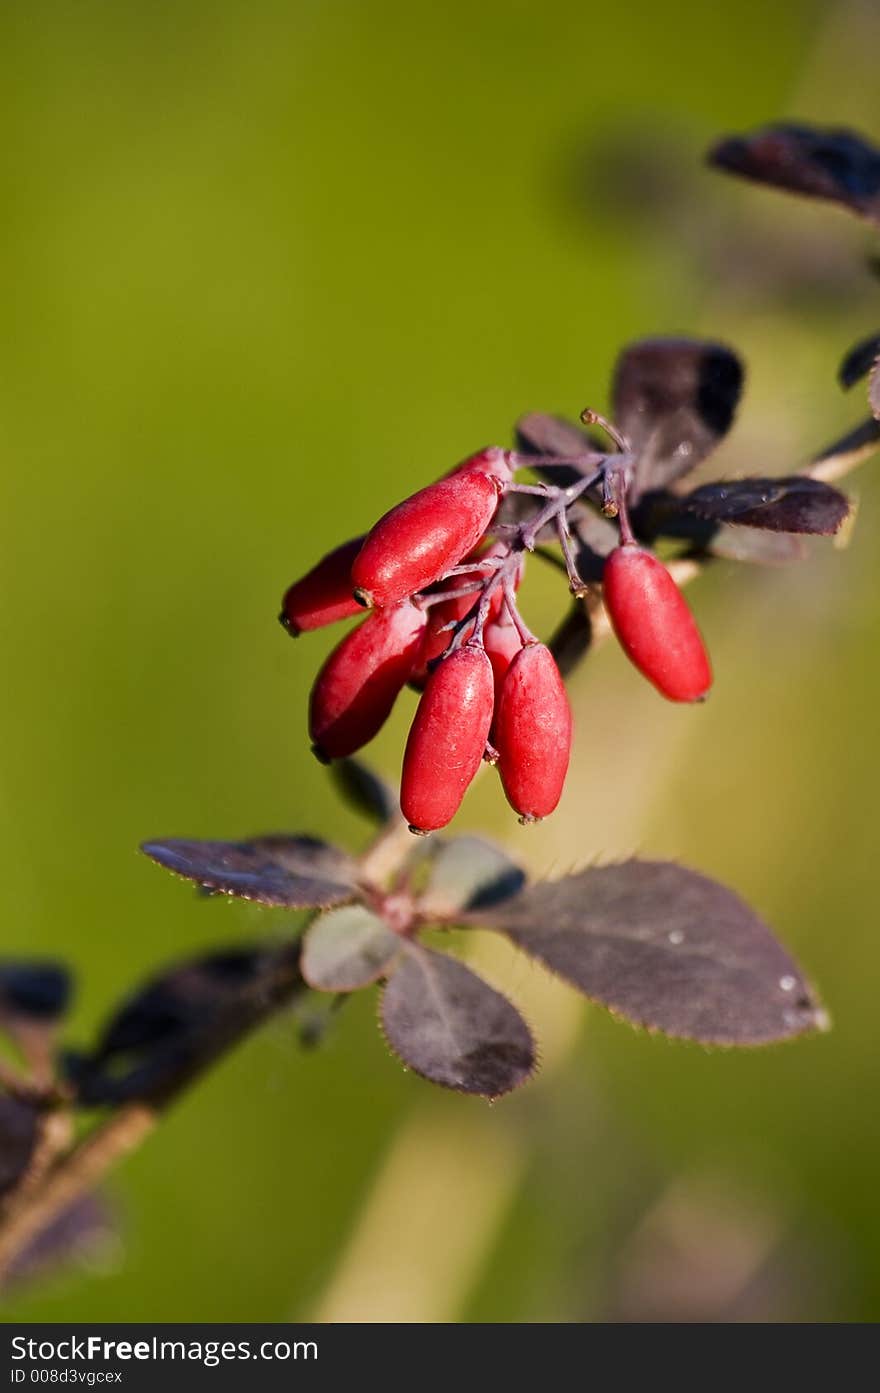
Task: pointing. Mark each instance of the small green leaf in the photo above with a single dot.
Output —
(468, 873)
(347, 948)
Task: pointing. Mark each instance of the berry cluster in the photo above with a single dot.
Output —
(439, 574)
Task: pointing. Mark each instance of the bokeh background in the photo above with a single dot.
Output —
(264, 267)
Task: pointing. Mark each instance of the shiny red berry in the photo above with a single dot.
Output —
(493, 461)
(502, 643)
(447, 739)
(422, 538)
(358, 685)
(654, 624)
(324, 594)
(532, 733)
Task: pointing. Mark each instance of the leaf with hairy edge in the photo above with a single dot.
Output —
(347, 948)
(859, 361)
(794, 504)
(667, 949)
(675, 400)
(874, 390)
(451, 1027)
(667, 515)
(468, 873)
(364, 790)
(290, 872)
(833, 164)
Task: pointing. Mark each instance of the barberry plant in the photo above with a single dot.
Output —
(659, 945)
(440, 574)
(837, 166)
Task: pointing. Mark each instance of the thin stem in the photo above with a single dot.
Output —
(440, 596)
(592, 418)
(576, 584)
(469, 568)
(539, 490)
(74, 1176)
(590, 458)
(522, 628)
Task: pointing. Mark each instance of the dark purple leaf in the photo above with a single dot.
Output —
(364, 790)
(794, 504)
(844, 454)
(666, 948)
(834, 164)
(19, 1134)
(468, 873)
(451, 1027)
(859, 361)
(874, 390)
(180, 1019)
(39, 991)
(347, 948)
(674, 399)
(667, 515)
(292, 872)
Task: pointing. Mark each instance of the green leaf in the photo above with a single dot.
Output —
(468, 873)
(347, 948)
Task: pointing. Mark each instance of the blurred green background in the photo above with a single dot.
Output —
(263, 268)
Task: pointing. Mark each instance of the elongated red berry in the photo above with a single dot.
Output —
(532, 733)
(493, 460)
(324, 594)
(447, 739)
(358, 685)
(655, 627)
(419, 540)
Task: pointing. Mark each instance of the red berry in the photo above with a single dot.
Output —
(493, 460)
(654, 625)
(323, 594)
(447, 739)
(502, 643)
(356, 688)
(437, 636)
(419, 540)
(532, 733)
